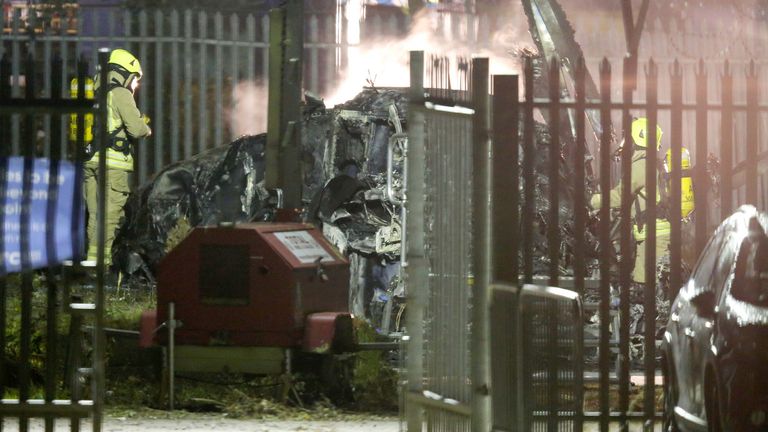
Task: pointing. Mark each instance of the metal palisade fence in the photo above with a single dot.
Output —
(739, 178)
(204, 72)
(41, 226)
(470, 265)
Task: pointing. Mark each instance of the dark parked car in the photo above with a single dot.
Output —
(716, 342)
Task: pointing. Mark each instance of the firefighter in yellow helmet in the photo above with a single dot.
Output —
(125, 125)
(640, 136)
(687, 202)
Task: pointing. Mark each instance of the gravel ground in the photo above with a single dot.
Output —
(218, 424)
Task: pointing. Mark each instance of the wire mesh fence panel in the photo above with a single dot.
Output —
(551, 342)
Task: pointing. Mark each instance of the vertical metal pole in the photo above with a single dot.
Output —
(529, 159)
(5, 94)
(649, 307)
(160, 114)
(674, 186)
(142, 150)
(203, 137)
(314, 55)
(15, 78)
(218, 27)
(753, 90)
(171, 355)
(51, 317)
(25, 247)
(234, 68)
(726, 146)
(79, 156)
(626, 238)
(506, 181)
(701, 179)
(553, 226)
(605, 240)
(250, 68)
(580, 222)
(99, 342)
(579, 170)
(553, 243)
(175, 87)
(188, 84)
(293, 90)
(482, 252)
(417, 270)
(274, 111)
(266, 48)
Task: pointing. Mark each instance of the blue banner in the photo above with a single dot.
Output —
(49, 244)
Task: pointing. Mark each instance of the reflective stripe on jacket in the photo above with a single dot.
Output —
(115, 160)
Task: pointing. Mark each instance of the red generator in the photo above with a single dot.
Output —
(239, 298)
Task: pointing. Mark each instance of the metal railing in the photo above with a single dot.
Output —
(544, 228)
(52, 279)
(205, 72)
(555, 246)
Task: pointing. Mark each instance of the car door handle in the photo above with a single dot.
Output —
(690, 333)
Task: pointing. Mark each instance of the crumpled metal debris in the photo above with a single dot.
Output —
(224, 184)
(352, 206)
(344, 154)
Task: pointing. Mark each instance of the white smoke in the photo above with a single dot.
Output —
(248, 113)
(384, 62)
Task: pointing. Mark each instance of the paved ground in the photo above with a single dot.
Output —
(218, 424)
(223, 425)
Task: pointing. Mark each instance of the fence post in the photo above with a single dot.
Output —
(674, 183)
(482, 255)
(701, 180)
(726, 146)
(649, 307)
(506, 179)
(753, 90)
(528, 172)
(99, 348)
(5, 93)
(604, 239)
(416, 271)
(553, 228)
(625, 229)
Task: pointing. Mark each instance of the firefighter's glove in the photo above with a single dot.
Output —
(595, 201)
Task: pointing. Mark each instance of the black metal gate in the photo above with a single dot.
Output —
(542, 187)
(61, 393)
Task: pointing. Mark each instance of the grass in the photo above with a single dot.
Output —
(134, 375)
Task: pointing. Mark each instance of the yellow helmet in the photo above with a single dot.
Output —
(640, 133)
(126, 61)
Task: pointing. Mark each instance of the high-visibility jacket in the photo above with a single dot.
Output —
(124, 123)
(687, 198)
(638, 195)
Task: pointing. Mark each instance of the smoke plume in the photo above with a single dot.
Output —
(248, 113)
(384, 62)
